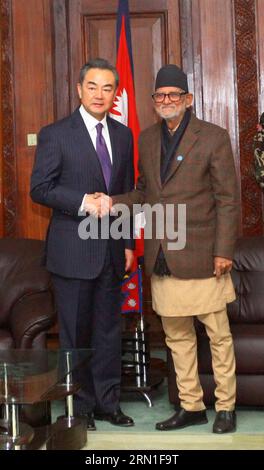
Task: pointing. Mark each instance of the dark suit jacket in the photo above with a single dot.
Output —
(66, 167)
(203, 178)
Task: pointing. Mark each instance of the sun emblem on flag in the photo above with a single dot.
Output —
(120, 107)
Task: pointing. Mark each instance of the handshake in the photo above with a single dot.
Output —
(98, 204)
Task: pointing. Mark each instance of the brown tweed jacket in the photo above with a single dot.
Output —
(202, 176)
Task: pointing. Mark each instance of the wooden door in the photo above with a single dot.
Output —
(92, 33)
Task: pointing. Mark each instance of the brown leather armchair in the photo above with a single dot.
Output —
(27, 308)
(246, 316)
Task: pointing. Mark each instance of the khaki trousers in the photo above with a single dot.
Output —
(181, 339)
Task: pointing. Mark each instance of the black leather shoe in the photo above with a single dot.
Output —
(89, 417)
(182, 419)
(117, 418)
(225, 421)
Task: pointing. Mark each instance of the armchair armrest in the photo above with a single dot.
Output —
(32, 314)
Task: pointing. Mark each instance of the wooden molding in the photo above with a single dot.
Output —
(247, 96)
(8, 155)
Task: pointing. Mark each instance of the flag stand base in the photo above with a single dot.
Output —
(139, 373)
(154, 380)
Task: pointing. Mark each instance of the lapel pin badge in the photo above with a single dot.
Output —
(179, 158)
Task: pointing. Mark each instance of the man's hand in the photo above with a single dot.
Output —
(92, 204)
(222, 266)
(97, 204)
(105, 204)
(129, 255)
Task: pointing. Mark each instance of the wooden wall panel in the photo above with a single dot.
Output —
(1, 149)
(219, 55)
(218, 65)
(8, 191)
(205, 26)
(219, 69)
(260, 52)
(61, 66)
(260, 62)
(33, 85)
(211, 68)
(247, 98)
(191, 50)
(1, 135)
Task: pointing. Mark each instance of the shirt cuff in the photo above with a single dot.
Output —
(82, 205)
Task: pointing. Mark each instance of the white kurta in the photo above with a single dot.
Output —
(186, 297)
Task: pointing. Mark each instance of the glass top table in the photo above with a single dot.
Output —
(29, 376)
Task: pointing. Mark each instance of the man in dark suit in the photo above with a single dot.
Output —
(85, 153)
(186, 161)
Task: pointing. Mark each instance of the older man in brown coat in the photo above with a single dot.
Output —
(184, 160)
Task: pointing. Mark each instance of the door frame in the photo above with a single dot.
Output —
(8, 179)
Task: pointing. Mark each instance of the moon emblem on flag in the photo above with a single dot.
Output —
(131, 285)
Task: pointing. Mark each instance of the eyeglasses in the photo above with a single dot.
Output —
(174, 96)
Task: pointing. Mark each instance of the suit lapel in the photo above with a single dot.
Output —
(186, 144)
(155, 152)
(85, 145)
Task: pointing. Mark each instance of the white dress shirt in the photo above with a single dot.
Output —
(91, 123)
